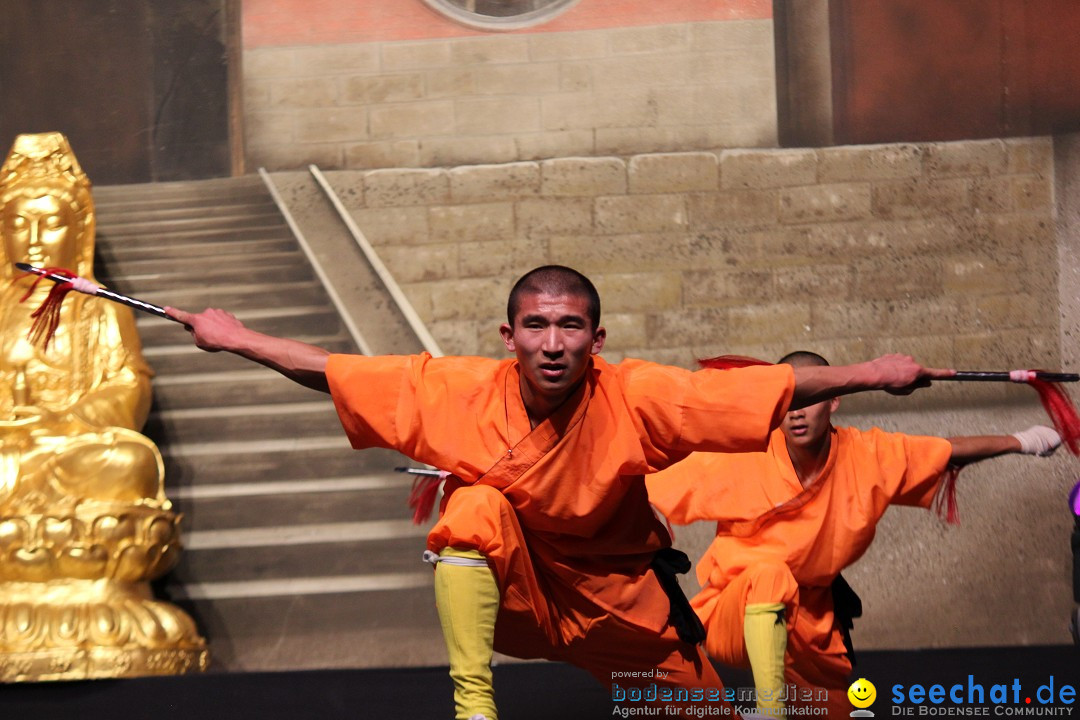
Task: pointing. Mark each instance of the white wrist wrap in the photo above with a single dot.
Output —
(1038, 440)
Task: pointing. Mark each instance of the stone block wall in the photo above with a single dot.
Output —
(938, 250)
(495, 98)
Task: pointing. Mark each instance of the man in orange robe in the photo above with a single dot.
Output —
(546, 511)
(790, 519)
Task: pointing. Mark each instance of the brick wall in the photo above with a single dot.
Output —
(472, 98)
(938, 250)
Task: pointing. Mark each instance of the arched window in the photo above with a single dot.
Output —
(500, 14)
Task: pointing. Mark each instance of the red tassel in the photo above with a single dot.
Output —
(945, 504)
(730, 362)
(1059, 406)
(425, 491)
(47, 317)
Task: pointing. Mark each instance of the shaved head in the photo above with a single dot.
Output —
(803, 358)
(554, 280)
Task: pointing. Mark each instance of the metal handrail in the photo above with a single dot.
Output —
(339, 305)
(403, 304)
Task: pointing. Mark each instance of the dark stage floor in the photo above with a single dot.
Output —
(535, 691)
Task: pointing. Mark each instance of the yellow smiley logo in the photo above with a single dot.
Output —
(862, 693)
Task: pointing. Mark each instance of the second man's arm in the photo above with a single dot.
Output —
(896, 374)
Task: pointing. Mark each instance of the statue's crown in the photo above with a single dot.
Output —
(43, 156)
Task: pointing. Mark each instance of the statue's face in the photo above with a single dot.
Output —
(39, 229)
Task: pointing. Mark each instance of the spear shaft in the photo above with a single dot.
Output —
(99, 291)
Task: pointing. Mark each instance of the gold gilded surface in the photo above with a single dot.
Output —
(84, 521)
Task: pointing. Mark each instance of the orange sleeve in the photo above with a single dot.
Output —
(435, 410)
(913, 466)
(708, 410)
(684, 492)
(726, 487)
(367, 392)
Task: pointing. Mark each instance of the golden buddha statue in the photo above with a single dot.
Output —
(84, 521)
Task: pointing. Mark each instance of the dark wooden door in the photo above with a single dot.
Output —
(140, 88)
(80, 67)
(933, 70)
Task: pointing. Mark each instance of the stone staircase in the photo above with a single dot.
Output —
(299, 551)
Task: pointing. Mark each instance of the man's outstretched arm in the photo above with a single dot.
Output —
(896, 374)
(216, 330)
(1036, 440)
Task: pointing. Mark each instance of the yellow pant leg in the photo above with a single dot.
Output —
(765, 634)
(467, 597)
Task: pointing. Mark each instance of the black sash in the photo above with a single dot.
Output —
(846, 606)
(668, 563)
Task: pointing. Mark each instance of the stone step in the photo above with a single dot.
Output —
(383, 555)
(330, 515)
(188, 466)
(239, 298)
(179, 252)
(140, 196)
(286, 321)
(191, 360)
(191, 224)
(170, 209)
(226, 522)
(185, 358)
(392, 624)
(380, 607)
(221, 188)
(166, 277)
(263, 422)
(120, 268)
(247, 384)
(255, 297)
(167, 235)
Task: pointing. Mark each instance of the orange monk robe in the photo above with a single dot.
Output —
(778, 542)
(560, 511)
